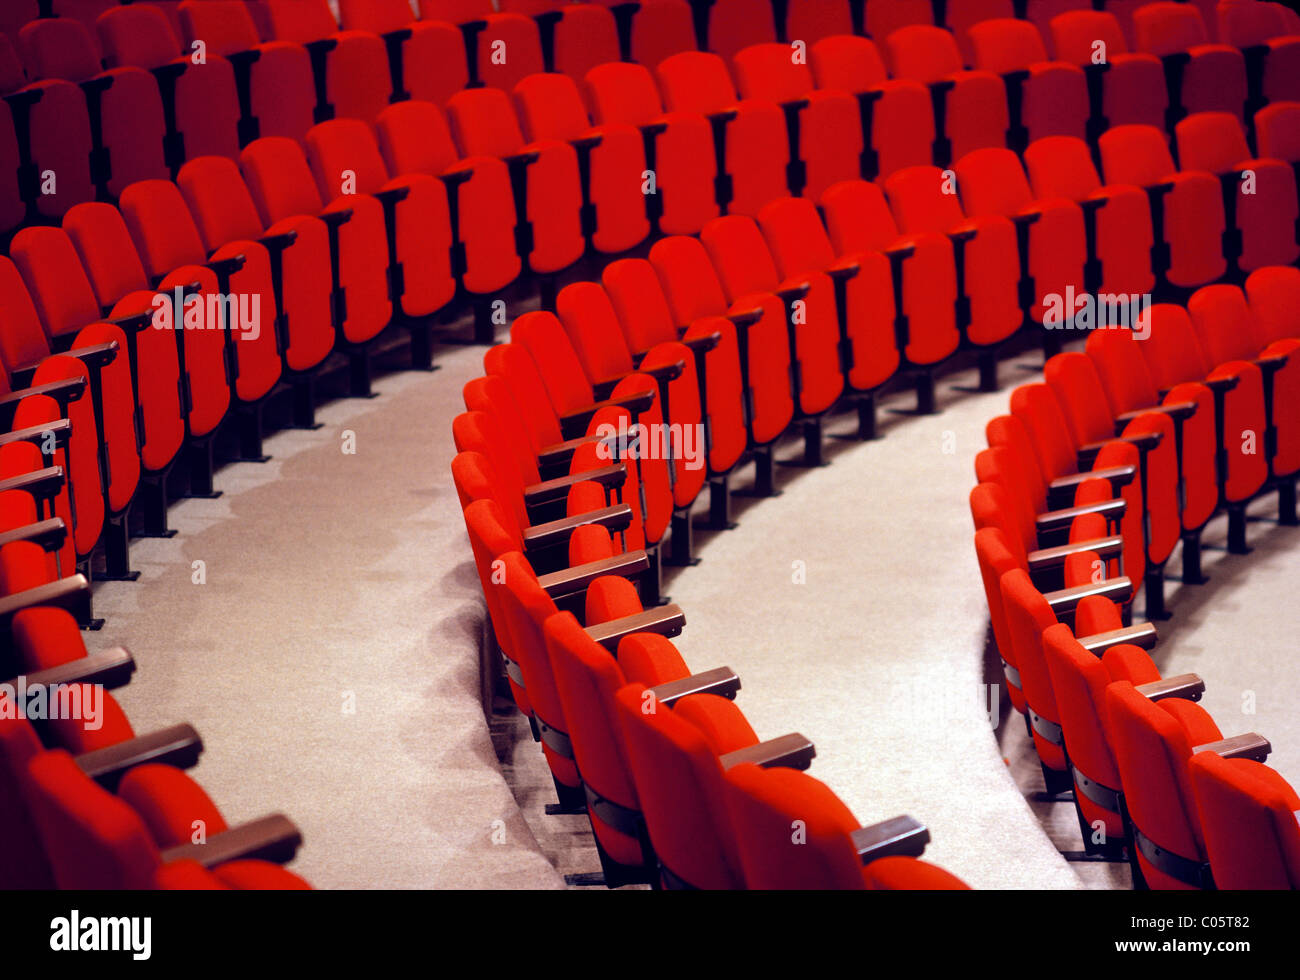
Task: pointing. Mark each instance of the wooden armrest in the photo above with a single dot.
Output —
(791, 751)
(279, 242)
(721, 681)
(560, 453)
(1249, 746)
(336, 219)
(664, 372)
(746, 318)
(63, 391)
(524, 159)
(1141, 635)
(899, 836)
(178, 745)
(1144, 441)
(635, 402)
(1272, 363)
(71, 593)
(1189, 687)
(570, 581)
(273, 838)
(49, 534)
(61, 429)
(843, 270)
(787, 293)
(1067, 600)
(1119, 476)
(111, 668)
(1044, 558)
(613, 518)
(665, 620)
(43, 484)
(1055, 520)
(704, 344)
(136, 322)
(548, 490)
(1176, 410)
(393, 195)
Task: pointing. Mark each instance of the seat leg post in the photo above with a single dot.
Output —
(988, 368)
(422, 344)
(359, 374)
(683, 539)
(925, 404)
(117, 555)
(1286, 502)
(652, 580)
(153, 499)
(867, 417)
(719, 503)
(1057, 781)
(89, 622)
(485, 332)
(764, 475)
(1237, 530)
(201, 468)
(1154, 586)
(812, 443)
(249, 420)
(572, 799)
(1192, 574)
(304, 403)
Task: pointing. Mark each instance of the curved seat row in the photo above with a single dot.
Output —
(1084, 490)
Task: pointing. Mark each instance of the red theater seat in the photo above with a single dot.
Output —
(1153, 745)
(611, 159)
(350, 67)
(737, 24)
(98, 841)
(678, 146)
(749, 135)
(200, 102)
(1247, 813)
(1047, 98)
(273, 78)
(897, 115)
(824, 125)
(505, 49)
(1124, 86)
(281, 183)
(414, 139)
(1259, 195)
(544, 176)
(1117, 217)
(661, 29)
(833, 851)
(970, 107)
(1202, 76)
(426, 58)
(124, 104)
(1080, 677)
(1186, 206)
